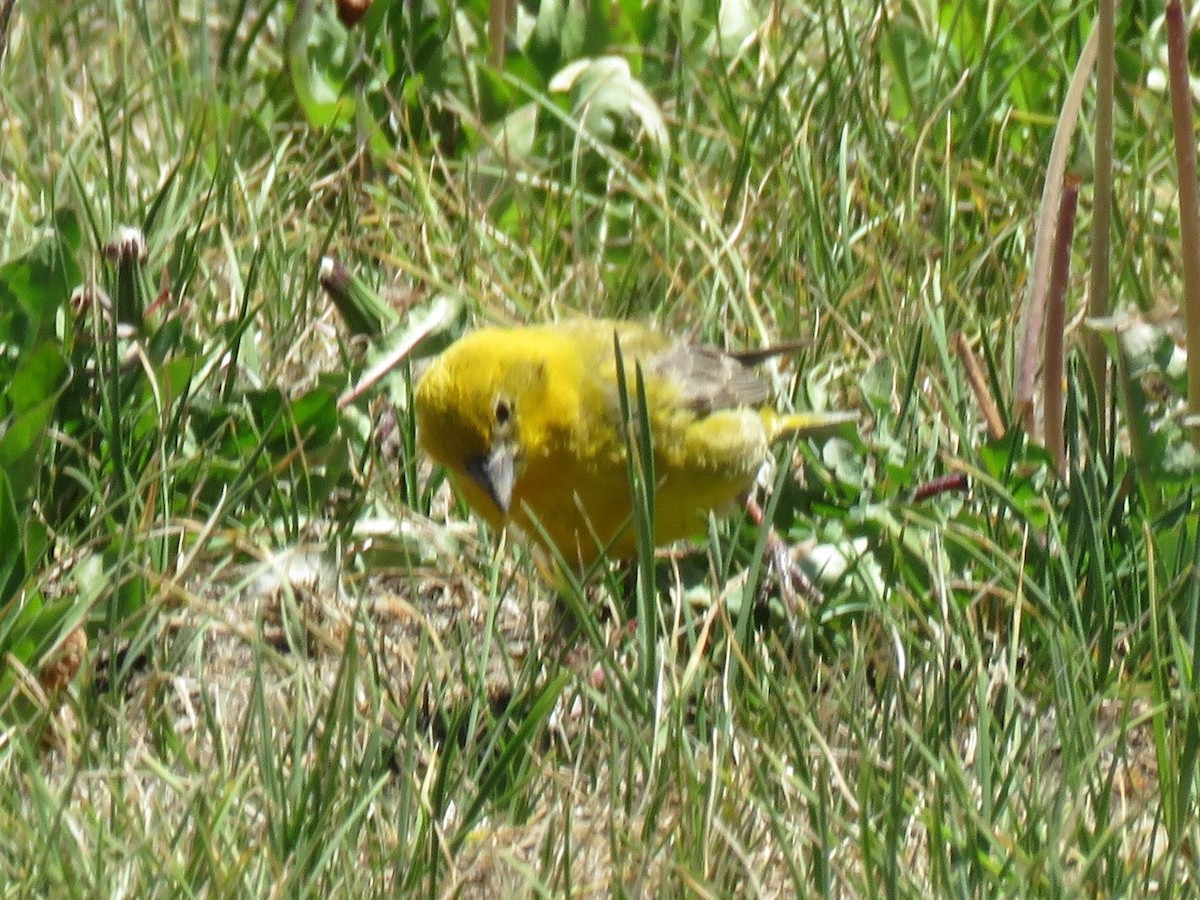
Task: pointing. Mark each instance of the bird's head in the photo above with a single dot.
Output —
(472, 405)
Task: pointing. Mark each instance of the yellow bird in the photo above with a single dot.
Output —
(528, 422)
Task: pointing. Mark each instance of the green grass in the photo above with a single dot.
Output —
(309, 670)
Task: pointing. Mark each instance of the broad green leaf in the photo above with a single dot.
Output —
(737, 21)
(605, 97)
(12, 560)
(41, 375)
(38, 284)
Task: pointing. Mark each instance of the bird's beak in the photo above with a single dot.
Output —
(495, 474)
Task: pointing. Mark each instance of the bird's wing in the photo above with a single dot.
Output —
(708, 379)
(699, 378)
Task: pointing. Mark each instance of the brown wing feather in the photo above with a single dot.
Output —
(755, 357)
(709, 379)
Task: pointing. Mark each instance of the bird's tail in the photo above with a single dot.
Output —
(782, 426)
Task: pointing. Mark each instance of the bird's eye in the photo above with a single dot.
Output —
(503, 412)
